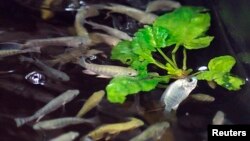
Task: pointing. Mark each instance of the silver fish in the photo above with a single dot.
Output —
(60, 123)
(10, 49)
(72, 41)
(219, 118)
(69, 136)
(112, 31)
(141, 16)
(106, 71)
(203, 97)
(98, 38)
(153, 132)
(177, 92)
(162, 5)
(48, 71)
(53, 105)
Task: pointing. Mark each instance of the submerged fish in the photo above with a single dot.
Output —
(177, 92)
(203, 97)
(45, 12)
(72, 55)
(153, 132)
(60, 123)
(53, 105)
(219, 118)
(49, 71)
(112, 31)
(106, 71)
(69, 136)
(10, 49)
(139, 15)
(98, 38)
(162, 5)
(71, 41)
(114, 128)
(92, 101)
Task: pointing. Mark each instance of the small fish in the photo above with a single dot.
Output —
(112, 31)
(45, 12)
(69, 136)
(10, 49)
(177, 92)
(72, 55)
(106, 71)
(219, 118)
(114, 128)
(53, 105)
(48, 71)
(139, 15)
(153, 132)
(162, 5)
(98, 38)
(202, 97)
(71, 41)
(60, 123)
(92, 101)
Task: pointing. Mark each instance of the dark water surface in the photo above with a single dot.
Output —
(20, 21)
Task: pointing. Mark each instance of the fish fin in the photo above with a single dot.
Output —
(33, 49)
(89, 72)
(175, 107)
(103, 76)
(39, 118)
(20, 121)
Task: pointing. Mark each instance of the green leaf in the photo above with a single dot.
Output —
(222, 64)
(199, 43)
(219, 71)
(123, 52)
(187, 27)
(229, 82)
(151, 37)
(120, 87)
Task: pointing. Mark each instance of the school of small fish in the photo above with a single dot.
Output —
(74, 51)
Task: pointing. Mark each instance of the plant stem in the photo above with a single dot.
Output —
(167, 59)
(184, 65)
(174, 52)
(158, 64)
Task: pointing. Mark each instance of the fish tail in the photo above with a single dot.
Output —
(20, 121)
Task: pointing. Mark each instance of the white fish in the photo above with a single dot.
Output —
(177, 92)
(60, 123)
(53, 105)
(219, 118)
(49, 71)
(98, 38)
(69, 136)
(153, 132)
(139, 15)
(162, 5)
(112, 31)
(106, 71)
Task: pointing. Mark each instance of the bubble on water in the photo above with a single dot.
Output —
(35, 78)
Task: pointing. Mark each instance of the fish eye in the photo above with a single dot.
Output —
(190, 79)
(130, 73)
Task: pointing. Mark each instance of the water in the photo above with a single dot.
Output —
(19, 98)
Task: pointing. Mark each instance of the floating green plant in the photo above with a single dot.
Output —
(179, 31)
